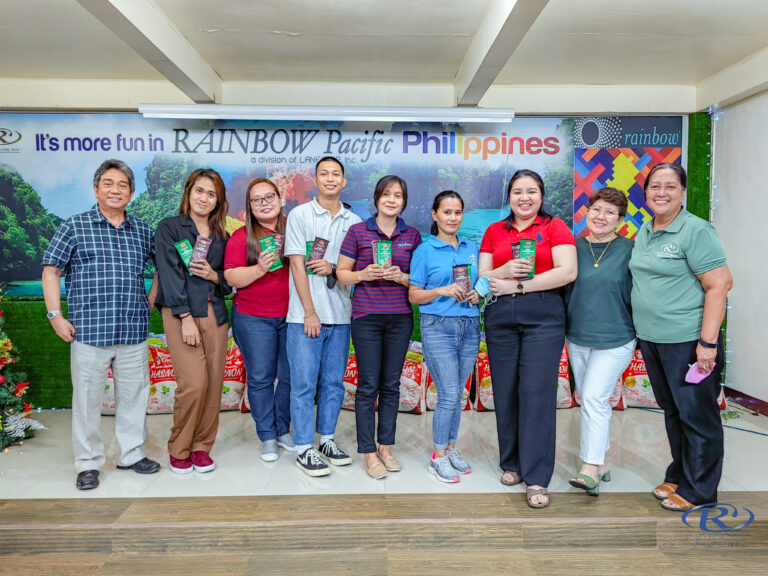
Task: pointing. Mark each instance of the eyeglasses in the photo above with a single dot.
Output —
(608, 213)
(269, 198)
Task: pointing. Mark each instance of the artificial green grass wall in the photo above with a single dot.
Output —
(699, 164)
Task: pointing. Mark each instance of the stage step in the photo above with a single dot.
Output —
(289, 529)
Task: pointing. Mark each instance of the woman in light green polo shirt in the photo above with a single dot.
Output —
(680, 282)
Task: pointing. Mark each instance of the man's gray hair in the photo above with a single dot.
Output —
(117, 165)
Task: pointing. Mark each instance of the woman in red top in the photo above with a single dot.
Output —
(525, 329)
(253, 264)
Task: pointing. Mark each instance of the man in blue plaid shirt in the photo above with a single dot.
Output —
(101, 254)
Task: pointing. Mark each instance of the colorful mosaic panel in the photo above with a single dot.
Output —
(622, 168)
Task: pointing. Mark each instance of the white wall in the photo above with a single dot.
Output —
(740, 212)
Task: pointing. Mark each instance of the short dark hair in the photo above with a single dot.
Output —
(329, 159)
(386, 181)
(436, 206)
(676, 168)
(612, 196)
(117, 165)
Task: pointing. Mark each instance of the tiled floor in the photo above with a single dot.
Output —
(42, 467)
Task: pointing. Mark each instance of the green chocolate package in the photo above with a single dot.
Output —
(383, 252)
(268, 244)
(528, 252)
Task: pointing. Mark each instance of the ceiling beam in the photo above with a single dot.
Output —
(505, 25)
(146, 29)
(735, 83)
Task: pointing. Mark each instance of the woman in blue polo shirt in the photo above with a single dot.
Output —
(450, 325)
(382, 318)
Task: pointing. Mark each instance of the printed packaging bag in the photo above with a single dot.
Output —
(234, 377)
(162, 378)
(350, 380)
(564, 397)
(484, 392)
(412, 380)
(108, 404)
(637, 385)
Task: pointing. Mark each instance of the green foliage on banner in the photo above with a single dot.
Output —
(25, 227)
(165, 179)
(699, 164)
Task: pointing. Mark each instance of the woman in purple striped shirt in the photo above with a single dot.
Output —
(376, 257)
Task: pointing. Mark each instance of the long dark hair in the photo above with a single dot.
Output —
(436, 206)
(253, 229)
(217, 219)
(510, 220)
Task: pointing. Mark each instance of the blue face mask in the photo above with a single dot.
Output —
(483, 286)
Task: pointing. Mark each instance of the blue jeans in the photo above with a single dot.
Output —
(262, 342)
(317, 369)
(450, 351)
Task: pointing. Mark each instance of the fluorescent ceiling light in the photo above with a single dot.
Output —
(326, 113)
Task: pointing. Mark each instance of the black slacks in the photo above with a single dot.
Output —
(692, 418)
(381, 342)
(525, 335)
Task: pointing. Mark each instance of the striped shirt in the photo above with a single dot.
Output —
(104, 277)
(380, 296)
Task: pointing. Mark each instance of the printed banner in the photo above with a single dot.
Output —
(47, 163)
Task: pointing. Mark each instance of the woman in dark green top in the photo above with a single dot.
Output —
(599, 331)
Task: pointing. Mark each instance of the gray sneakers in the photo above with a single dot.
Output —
(442, 470)
(269, 451)
(286, 442)
(458, 463)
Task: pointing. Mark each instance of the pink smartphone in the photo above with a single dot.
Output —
(694, 375)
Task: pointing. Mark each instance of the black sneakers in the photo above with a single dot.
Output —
(333, 454)
(311, 464)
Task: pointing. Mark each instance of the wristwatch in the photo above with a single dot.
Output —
(52, 314)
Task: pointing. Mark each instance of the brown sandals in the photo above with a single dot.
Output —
(509, 478)
(664, 490)
(531, 492)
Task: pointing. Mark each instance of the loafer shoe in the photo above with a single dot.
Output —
(391, 463)
(143, 466)
(87, 480)
(201, 461)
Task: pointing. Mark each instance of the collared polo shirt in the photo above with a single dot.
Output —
(305, 223)
(667, 296)
(432, 267)
(267, 296)
(104, 277)
(548, 233)
(380, 296)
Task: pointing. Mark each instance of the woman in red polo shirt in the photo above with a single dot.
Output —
(525, 329)
(253, 264)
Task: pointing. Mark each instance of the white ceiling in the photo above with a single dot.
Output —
(375, 52)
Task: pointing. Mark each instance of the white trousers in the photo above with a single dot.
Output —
(596, 372)
(130, 368)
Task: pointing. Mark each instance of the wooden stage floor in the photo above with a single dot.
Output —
(372, 534)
